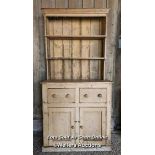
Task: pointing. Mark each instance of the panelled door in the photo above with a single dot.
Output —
(93, 123)
(61, 123)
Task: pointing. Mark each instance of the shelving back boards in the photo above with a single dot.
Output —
(75, 41)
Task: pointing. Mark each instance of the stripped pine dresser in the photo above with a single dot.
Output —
(76, 96)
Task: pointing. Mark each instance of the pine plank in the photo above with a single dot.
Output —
(76, 58)
(102, 30)
(85, 48)
(58, 50)
(74, 37)
(47, 46)
(67, 48)
(45, 115)
(76, 49)
(94, 50)
(101, 62)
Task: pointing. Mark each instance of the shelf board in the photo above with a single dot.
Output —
(79, 58)
(94, 37)
(74, 80)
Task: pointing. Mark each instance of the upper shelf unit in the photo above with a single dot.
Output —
(75, 42)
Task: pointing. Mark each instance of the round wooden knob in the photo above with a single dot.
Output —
(54, 95)
(72, 127)
(99, 95)
(85, 95)
(81, 127)
(67, 95)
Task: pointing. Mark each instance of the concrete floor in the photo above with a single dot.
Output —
(116, 147)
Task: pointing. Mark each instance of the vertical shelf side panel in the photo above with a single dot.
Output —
(103, 46)
(46, 46)
(51, 50)
(105, 49)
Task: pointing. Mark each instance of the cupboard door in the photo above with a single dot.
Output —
(93, 123)
(61, 123)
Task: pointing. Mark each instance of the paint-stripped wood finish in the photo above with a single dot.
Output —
(76, 105)
(58, 49)
(51, 51)
(67, 48)
(85, 48)
(95, 50)
(77, 109)
(75, 47)
(39, 50)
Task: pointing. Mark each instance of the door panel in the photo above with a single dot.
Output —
(61, 123)
(93, 123)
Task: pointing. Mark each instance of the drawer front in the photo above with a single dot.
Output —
(90, 95)
(61, 95)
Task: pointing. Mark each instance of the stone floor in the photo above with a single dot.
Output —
(116, 147)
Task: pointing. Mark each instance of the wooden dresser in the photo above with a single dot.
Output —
(76, 96)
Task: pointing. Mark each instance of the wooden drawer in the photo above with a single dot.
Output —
(93, 95)
(61, 95)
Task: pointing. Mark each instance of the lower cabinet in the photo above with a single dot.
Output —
(84, 117)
